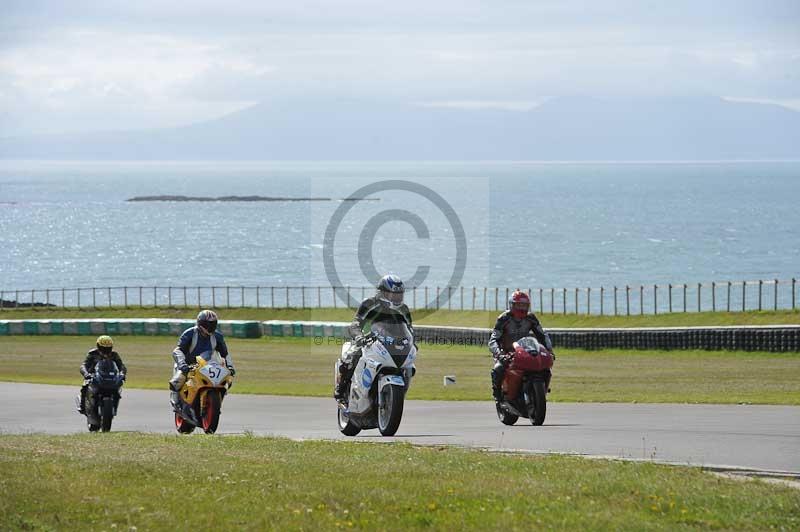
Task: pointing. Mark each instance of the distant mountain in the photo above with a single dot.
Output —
(567, 128)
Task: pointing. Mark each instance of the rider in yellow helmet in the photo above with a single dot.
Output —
(104, 349)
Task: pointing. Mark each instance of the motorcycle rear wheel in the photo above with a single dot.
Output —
(210, 418)
(106, 414)
(506, 418)
(183, 426)
(346, 427)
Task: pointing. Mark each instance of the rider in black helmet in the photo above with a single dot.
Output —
(388, 300)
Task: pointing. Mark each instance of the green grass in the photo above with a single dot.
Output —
(271, 365)
(153, 482)
(426, 317)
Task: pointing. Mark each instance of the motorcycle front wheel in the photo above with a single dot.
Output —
(391, 411)
(106, 414)
(537, 402)
(210, 419)
(506, 418)
(182, 426)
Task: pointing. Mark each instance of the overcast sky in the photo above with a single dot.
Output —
(107, 64)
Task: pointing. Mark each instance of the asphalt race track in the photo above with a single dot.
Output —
(762, 438)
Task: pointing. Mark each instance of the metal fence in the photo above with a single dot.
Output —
(729, 296)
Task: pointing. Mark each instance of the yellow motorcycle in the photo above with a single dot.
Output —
(207, 383)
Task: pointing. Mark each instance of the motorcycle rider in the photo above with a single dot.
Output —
(387, 301)
(515, 323)
(194, 341)
(104, 350)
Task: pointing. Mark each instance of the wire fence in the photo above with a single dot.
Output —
(728, 296)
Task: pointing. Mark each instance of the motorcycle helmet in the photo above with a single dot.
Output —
(519, 304)
(207, 321)
(105, 344)
(390, 290)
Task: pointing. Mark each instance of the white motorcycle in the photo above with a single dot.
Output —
(380, 380)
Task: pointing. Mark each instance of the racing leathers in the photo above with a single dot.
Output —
(87, 369)
(508, 330)
(371, 310)
(191, 343)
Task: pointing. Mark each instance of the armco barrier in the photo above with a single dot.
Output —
(132, 326)
(777, 338)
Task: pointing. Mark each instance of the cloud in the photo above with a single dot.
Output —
(93, 56)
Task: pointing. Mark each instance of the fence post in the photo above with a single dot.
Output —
(576, 300)
(541, 301)
(94, 298)
(641, 300)
(506, 299)
(109, 297)
(169, 296)
(303, 296)
(426, 298)
(484, 297)
(684, 298)
(729, 297)
(3, 300)
(319, 297)
(46, 298)
(744, 295)
(287, 297)
(760, 284)
(333, 291)
(462, 297)
(588, 300)
(155, 297)
(438, 302)
(213, 297)
(793, 284)
(242, 305)
(775, 296)
(185, 298)
(615, 300)
(32, 298)
(63, 299)
(496, 298)
(414, 297)
(449, 292)
(552, 300)
(141, 305)
(699, 304)
(627, 300)
(713, 296)
(474, 294)
(79, 298)
(602, 291)
(655, 299)
(271, 297)
(669, 297)
(199, 304)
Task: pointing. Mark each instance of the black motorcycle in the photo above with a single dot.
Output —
(102, 396)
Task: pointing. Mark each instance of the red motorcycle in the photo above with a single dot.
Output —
(526, 382)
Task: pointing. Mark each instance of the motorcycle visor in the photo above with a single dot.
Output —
(208, 326)
(521, 306)
(392, 297)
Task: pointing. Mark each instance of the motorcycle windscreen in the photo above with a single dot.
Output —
(395, 337)
(106, 373)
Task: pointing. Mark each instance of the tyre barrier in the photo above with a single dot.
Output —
(775, 338)
(123, 327)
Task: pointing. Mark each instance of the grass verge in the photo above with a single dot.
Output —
(154, 482)
(465, 318)
(272, 366)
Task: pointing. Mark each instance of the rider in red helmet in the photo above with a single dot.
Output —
(515, 323)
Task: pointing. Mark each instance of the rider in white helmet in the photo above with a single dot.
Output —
(388, 300)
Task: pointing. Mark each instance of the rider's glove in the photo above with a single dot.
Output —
(365, 339)
(122, 376)
(505, 358)
(232, 370)
(184, 368)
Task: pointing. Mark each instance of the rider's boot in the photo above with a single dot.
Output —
(340, 391)
(174, 399)
(497, 393)
(82, 403)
